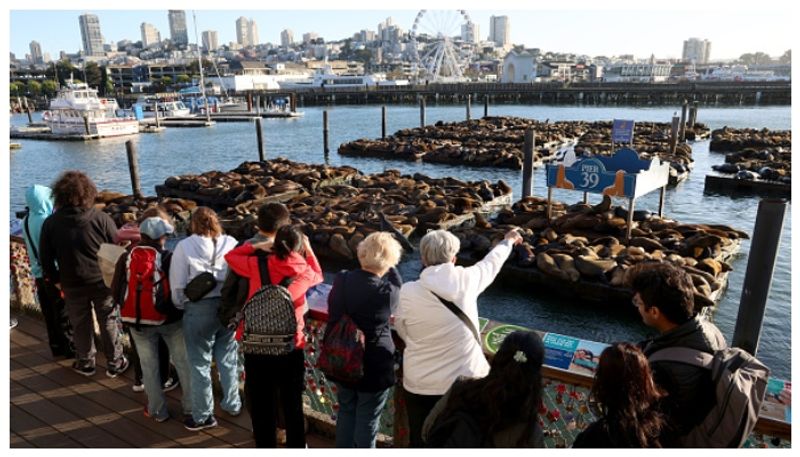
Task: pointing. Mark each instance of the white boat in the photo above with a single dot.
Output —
(166, 107)
(325, 78)
(77, 110)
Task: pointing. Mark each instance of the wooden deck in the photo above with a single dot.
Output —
(52, 406)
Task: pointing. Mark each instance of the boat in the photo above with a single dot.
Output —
(167, 106)
(324, 77)
(77, 110)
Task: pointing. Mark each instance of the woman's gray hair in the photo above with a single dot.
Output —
(437, 247)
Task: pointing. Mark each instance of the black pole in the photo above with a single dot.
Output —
(325, 133)
(486, 105)
(133, 167)
(383, 122)
(85, 123)
(673, 134)
(28, 111)
(683, 121)
(758, 278)
(260, 137)
(527, 164)
(469, 106)
(155, 110)
(422, 112)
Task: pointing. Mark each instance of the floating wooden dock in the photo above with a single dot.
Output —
(728, 185)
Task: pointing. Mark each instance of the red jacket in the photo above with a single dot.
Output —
(306, 272)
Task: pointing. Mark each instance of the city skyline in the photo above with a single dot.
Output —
(589, 32)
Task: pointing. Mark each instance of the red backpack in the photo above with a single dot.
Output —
(146, 291)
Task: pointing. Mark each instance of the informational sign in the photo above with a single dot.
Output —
(494, 338)
(622, 131)
(559, 350)
(586, 357)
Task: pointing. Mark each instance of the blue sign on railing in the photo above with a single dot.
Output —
(622, 131)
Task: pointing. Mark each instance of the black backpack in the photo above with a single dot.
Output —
(457, 430)
(269, 317)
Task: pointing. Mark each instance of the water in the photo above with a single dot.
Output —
(224, 146)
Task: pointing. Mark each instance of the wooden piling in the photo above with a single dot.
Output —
(383, 122)
(326, 150)
(260, 139)
(673, 134)
(682, 133)
(527, 164)
(133, 167)
(422, 112)
(249, 102)
(155, 110)
(486, 105)
(85, 124)
(469, 106)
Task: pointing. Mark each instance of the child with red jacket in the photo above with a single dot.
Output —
(278, 378)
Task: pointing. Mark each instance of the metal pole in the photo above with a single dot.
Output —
(383, 122)
(673, 134)
(696, 106)
(260, 139)
(527, 163)
(85, 123)
(549, 203)
(155, 110)
(586, 198)
(422, 112)
(469, 106)
(486, 105)
(661, 201)
(630, 220)
(683, 121)
(133, 167)
(208, 111)
(758, 278)
(28, 111)
(325, 133)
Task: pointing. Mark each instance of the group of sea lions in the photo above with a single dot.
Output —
(755, 154)
(126, 208)
(587, 243)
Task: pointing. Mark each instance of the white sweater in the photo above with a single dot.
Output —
(439, 347)
(192, 256)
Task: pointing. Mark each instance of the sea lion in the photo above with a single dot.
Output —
(646, 243)
(338, 245)
(566, 264)
(547, 265)
(590, 267)
(354, 241)
(549, 234)
(603, 206)
(525, 255)
(710, 266)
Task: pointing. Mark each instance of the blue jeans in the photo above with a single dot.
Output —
(359, 416)
(205, 336)
(146, 339)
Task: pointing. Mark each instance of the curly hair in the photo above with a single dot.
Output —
(627, 396)
(512, 391)
(205, 223)
(74, 189)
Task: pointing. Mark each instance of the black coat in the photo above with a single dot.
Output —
(369, 301)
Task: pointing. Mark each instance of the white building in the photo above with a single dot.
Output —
(210, 40)
(519, 67)
(36, 53)
(470, 32)
(177, 27)
(308, 37)
(246, 32)
(637, 72)
(150, 35)
(696, 50)
(287, 38)
(500, 30)
(91, 36)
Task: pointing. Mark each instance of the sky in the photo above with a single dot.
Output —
(580, 27)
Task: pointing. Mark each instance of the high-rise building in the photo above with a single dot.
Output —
(246, 32)
(500, 30)
(150, 35)
(210, 40)
(91, 36)
(696, 50)
(389, 32)
(252, 33)
(177, 27)
(470, 32)
(36, 52)
(308, 37)
(287, 38)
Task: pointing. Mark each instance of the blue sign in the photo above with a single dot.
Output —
(614, 176)
(138, 113)
(622, 131)
(559, 350)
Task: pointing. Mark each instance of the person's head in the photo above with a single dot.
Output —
(205, 223)
(272, 216)
(74, 189)
(663, 294)
(379, 252)
(626, 394)
(155, 211)
(437, 247)
(155, 229)
(288, 239)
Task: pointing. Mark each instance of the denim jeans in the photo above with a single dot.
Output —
(147, 338)
(206, 337)
(359, 416)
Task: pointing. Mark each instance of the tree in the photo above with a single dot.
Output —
(166, 81)
(786, 58)
(34, 87)
(94, 77)
(63, 70)
(49, 87)
(184, 79)
(16, 88)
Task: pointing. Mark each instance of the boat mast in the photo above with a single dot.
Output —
(200, 65)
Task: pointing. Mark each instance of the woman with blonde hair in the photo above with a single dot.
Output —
(204, 252)
(367, 295)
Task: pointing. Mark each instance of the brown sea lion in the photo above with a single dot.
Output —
(647, 244)
(338, 245)
(566, 264)
(547, 265)
(593, 267)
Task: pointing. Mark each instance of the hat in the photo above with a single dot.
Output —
(155, 227)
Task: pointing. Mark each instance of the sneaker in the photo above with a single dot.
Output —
(157, 419)
(113, 372)
(138, 387)
(234, 413)
(14, 322)
(84, 369)
(170, 384)
(193, 426)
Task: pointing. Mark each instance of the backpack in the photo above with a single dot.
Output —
(457, 430)
(270, 323)
(146, 293)
(341, 357)
(740, 384)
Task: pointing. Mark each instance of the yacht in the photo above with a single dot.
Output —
(77, 110)
(325, 78)
(167, 107)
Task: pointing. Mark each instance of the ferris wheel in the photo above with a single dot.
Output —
(439, 53)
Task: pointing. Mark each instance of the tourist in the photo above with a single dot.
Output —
(367, 295)
(69, 243)
(273, 379)
(627, 402)
(148, 338)
(204, 252)
(440, 347)
(129, 233)
(664, 296)
(500, 410)
(59, 332)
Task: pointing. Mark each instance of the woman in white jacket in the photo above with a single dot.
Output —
(204, 251)
(439, 346)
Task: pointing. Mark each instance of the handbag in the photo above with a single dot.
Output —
(341, 358)
(203, 283)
